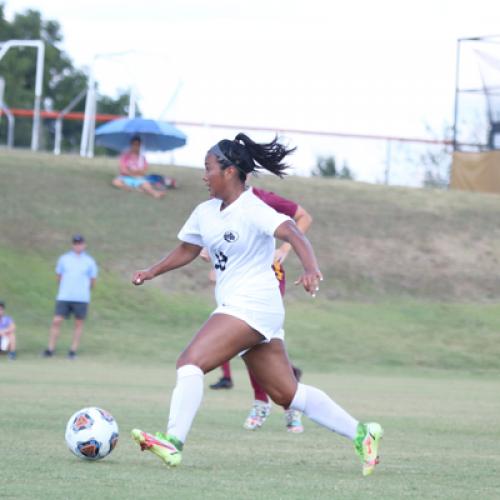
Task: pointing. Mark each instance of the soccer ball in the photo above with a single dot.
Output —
(91, 433)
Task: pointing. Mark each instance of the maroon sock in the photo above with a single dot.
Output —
(260, 394)
(226, 370)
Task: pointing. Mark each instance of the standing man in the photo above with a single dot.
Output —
(7, 333)
(76, 274)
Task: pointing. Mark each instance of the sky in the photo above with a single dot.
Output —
(362, 67)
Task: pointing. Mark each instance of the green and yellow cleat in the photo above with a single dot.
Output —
(366, 445)
(165, 447)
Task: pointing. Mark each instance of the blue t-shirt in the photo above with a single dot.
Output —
(5, 322)
(77, 272)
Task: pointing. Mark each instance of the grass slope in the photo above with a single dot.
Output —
(370, 240)
(45, 199)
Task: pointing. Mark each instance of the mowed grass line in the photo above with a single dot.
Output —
(440, 439)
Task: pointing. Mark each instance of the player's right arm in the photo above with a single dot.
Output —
(183, 254)
(303, 220)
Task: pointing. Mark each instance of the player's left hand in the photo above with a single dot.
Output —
(310, 281)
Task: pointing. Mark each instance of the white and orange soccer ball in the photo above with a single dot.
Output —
(91, 433)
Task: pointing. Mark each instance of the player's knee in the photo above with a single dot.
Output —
(282, 397)
(189, 358)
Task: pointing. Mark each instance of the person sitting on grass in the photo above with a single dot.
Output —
(7, 333)
(133, 167)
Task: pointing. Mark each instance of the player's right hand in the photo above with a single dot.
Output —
(139, 277)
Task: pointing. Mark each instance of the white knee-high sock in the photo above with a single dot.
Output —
(324, 411)
(185, 401)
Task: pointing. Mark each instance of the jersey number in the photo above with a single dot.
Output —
(221, 260)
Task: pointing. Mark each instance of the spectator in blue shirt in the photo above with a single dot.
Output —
(76, 273)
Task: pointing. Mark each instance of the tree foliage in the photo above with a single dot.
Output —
(61, 80)
(326, 166)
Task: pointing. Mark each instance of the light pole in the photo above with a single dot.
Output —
(39, 45)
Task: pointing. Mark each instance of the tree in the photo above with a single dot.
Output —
(436, 160)
(61, 80)
(326, 167)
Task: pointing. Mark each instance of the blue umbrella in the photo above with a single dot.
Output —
(155, 135)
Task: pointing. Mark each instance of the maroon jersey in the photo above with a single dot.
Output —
(280, 204)
(283, 206)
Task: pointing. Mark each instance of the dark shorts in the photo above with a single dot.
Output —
(66, 308)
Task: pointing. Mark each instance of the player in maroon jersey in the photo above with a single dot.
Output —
(262, 407)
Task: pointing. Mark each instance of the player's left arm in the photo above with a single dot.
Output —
(303, 220)
(289, 232)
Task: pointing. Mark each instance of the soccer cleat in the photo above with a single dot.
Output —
(11, 355)
(293, 420)
(366, 445)
(223, 383)
(257, 416)
(47, 353)
(71, 354)
(161, 445)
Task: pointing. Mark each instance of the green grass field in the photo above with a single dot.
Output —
(405, 331)
(441, 437)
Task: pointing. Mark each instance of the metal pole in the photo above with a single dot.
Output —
(58, 136)
(87, 142)
(2, 90)
(59, 121)
(10, 117)
(86, 118)
(10, 130)
(5, 46)
(39, 45)
(35, 131)
(132, 103)
(93, 109)
(457, 77)
(387, 163)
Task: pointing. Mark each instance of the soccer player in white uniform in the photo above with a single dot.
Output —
(238, 229)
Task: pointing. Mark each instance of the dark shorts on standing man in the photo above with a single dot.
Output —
(66, 308)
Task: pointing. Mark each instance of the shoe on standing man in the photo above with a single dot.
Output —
(76, 273)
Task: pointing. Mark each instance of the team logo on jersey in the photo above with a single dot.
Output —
(231, 236)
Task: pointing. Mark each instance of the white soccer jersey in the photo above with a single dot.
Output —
(240, 240)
